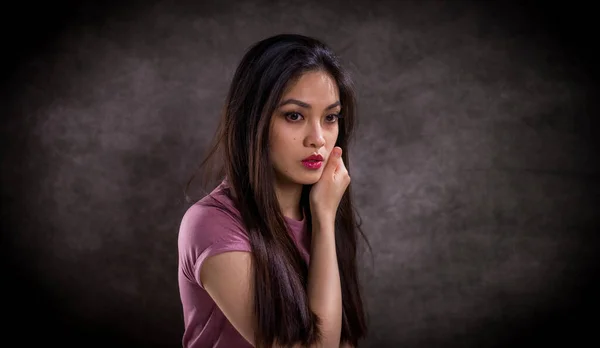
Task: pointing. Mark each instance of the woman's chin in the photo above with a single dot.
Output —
(310, 178)
(301, 177)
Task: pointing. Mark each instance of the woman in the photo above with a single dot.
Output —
(268, 258)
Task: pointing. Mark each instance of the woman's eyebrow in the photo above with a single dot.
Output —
(306, 105)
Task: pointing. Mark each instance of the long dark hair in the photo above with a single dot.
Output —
(280, 274)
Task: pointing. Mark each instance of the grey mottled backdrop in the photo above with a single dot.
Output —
(474, 168)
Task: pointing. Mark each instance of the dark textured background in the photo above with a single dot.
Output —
(474, 168)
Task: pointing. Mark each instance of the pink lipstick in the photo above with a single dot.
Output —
(312, 164)
(313, 161)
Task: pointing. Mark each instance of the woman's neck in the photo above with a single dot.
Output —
(288, 197)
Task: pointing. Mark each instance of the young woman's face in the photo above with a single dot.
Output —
(304, 123)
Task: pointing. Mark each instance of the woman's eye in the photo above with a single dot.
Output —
(334, 118)
(294, 116)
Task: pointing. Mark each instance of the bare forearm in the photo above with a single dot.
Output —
(324, 288)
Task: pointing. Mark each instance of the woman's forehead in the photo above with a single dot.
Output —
(313, 87)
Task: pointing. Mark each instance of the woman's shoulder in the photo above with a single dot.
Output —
(205, 214)
(212, 218)
(208, 227)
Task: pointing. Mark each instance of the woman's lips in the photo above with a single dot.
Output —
(314, 157)
(311, 164)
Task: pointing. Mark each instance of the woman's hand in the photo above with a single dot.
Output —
(326, 194)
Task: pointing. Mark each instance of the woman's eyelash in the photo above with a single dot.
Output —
(338, 116)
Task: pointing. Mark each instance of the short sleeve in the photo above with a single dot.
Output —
(217, 248)
(207, 231)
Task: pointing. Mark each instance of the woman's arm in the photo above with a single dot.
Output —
(233, 293)
(324, 288)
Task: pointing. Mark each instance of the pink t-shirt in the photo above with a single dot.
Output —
(206, 231)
